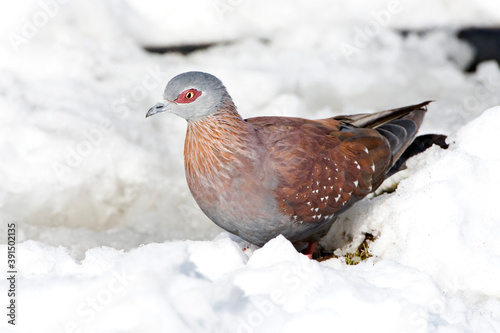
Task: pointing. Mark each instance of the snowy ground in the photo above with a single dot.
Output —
(109, 238)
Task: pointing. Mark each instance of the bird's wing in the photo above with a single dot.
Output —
(322, 167)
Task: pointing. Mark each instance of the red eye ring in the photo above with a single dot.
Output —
(188, 96)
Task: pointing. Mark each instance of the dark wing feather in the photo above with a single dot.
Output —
(373, 120)
(399, 126)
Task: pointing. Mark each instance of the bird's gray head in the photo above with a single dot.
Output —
(192, 96)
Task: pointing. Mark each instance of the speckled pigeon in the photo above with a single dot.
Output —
(265, 176)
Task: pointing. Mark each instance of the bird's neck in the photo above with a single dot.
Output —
(216, 145)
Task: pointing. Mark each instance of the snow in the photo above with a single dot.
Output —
(109, 238)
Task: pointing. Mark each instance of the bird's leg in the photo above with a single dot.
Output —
(311, 247)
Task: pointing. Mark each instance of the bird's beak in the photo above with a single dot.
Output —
(158, 108)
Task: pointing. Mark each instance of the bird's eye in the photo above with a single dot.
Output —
(188, 96)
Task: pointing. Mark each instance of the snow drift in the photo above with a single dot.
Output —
(109, 238)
